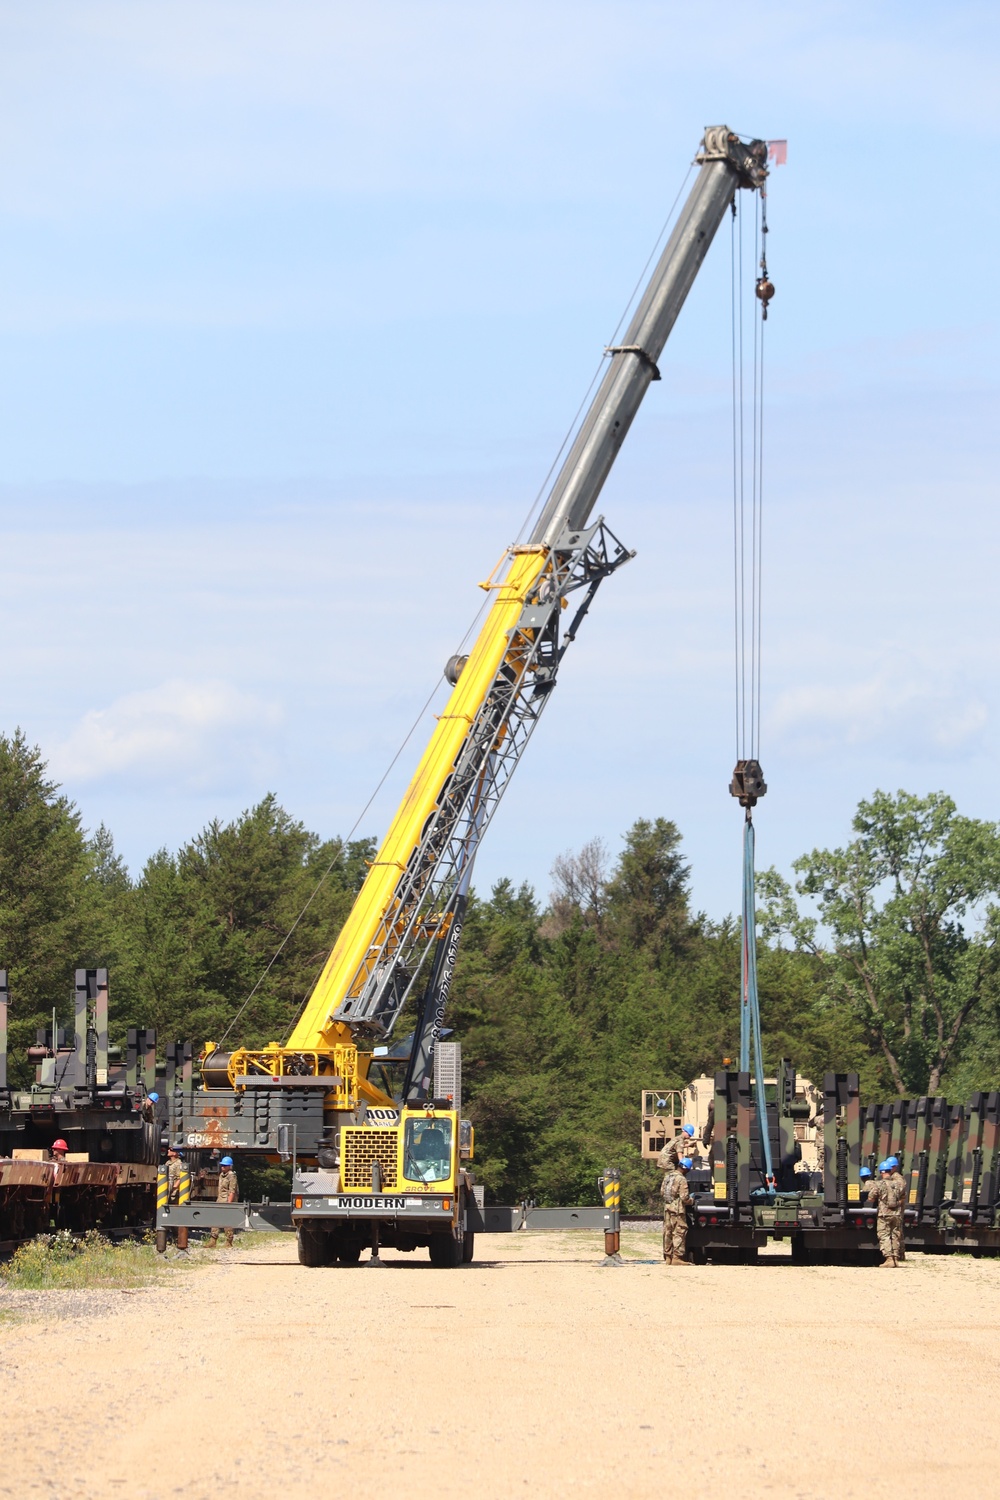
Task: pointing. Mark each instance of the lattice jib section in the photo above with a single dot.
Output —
(396, 962)
(360, 1147)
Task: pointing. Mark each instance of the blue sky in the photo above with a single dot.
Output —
(296, 303)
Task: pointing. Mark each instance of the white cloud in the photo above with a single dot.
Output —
(923, 716)
(181, 730)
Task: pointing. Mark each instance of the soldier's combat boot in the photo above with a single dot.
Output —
(212, 1242)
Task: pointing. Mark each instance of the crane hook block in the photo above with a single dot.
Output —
(748, 782)
(765, 291)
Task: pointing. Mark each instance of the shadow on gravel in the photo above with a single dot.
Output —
(422, 1265)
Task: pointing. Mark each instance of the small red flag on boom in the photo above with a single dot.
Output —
(777, 151)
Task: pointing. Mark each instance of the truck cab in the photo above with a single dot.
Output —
(400, 1182)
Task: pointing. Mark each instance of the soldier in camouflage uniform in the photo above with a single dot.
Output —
(677, 1196)
(903, 1192)
(174, 1165)
(229, 1192)
(682, 1145)
(889, 1193)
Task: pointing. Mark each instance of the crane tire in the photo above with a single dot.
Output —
(311, 1247)
(446, 1250)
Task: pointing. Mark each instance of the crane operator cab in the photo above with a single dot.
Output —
(427, 1149)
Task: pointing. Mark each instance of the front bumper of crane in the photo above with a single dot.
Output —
(436, 1208)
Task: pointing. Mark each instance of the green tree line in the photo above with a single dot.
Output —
(880, 957)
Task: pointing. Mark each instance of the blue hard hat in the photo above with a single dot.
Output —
(226, 1161)
(686, 1163)
(866, 1171)
(153, 1098)
(883, 1166)
(892, 1162)
(689, 1130)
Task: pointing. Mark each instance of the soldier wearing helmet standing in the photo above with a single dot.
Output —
(59, 1149)
(228, 1192)
(889, 1193)
(682, 1145)
(677, 1196)
(899, 1182)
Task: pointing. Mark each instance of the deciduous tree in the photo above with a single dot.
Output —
(907, 926)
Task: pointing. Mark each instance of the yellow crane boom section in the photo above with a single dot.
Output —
(356, 951)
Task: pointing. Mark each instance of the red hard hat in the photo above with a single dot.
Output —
(59, 1145)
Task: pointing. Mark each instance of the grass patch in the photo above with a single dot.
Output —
(641, 1241)
(60, 1261)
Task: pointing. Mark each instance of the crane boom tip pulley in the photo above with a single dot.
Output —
(748, 159)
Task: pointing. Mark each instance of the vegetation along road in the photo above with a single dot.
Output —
(532, 1372)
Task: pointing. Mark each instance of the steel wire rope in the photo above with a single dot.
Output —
(326, 873)
(747, 531)
(573, 426)
(733, 284)
(739, 461)
(748, 620)
(529, 518)
(759, 441)
(353, 830)
(754, 518)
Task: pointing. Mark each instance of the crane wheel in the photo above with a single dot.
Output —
(468, 1247)
(349, 1252)
(311, 1246)
(446, 1250)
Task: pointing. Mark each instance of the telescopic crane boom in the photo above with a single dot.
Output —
(401, 938)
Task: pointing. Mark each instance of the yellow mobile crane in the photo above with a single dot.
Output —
(372, 1162)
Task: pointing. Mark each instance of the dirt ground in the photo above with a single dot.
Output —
(532, 1372)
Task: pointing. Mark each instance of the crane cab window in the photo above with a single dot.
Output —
(427, 1150)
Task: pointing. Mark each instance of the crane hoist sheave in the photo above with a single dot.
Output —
(401, 939)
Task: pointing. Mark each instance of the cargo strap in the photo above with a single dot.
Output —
(750, 999)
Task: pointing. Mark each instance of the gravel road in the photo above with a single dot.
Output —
(532, 1372)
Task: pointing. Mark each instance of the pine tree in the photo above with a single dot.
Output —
(50, 907)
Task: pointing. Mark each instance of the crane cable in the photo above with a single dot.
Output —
(529, 518)
(748, 782)
(342, 845)
(573, 427)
